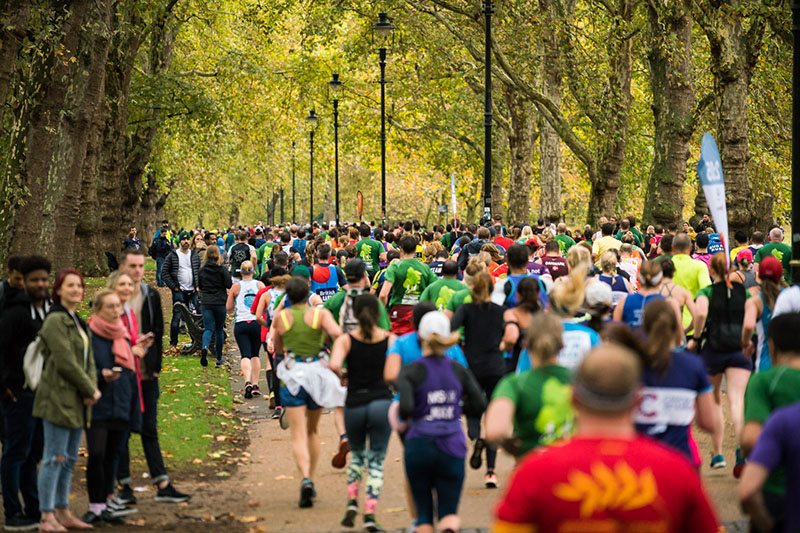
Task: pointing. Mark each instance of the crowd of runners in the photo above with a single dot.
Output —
(590, 355)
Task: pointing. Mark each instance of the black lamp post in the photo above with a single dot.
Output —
(382, 34)
(311, 124)
(488, 9)
(294, 216)
(336, 89)
(796, 143)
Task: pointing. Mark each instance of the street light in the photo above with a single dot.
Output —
(795, 264)
(336, 89)
(382, 37)
(294, 217)
(311, 125)
(488, 9)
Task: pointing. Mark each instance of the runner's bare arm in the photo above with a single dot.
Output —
(750, 433)
(617, 315)
(753, 478)
(341, 346)
(499, 416)
(391, 367)
(329, 325)
(263, 302)
(384, 295)
(706, 411)
(231, 303)
(749, 325)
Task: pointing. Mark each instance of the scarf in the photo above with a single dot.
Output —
(118, 334)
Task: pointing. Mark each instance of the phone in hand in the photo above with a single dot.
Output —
(117, 369)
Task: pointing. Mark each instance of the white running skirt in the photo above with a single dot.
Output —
(319, 381)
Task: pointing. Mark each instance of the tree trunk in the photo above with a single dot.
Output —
(671, 83)
(734, 53)
(12, 30)
(54, 143)
(550, 207)
(521, 142)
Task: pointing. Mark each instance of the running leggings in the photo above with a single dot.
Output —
(360, 421)
(430, 469)
(487, 383)
(248, 338)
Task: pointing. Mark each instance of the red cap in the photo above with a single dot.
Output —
(771, 268)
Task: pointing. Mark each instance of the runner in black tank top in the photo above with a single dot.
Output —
(367, 405)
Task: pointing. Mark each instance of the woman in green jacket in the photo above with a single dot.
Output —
(64, 397)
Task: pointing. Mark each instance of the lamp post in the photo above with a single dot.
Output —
(336, 89)
(488, 9)
(311, 124)
(796, 143)
(382, 33)
(294, 216)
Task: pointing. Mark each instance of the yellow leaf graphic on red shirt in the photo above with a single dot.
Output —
(607, 489)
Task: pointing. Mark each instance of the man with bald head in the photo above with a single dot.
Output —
(780, 251)
(607, 477)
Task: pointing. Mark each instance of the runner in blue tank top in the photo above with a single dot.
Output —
(758, 311)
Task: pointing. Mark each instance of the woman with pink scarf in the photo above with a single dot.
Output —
(118, 410)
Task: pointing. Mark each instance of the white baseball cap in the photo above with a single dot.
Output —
(434, 323)
(598, 293)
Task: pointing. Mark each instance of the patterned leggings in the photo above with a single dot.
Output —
(372, 420)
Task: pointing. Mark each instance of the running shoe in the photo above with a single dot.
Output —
(306, 493)
(350, 513)
(125, 495)
(204, 357)
(248, 391)
(490, 480)
(340, 459)
(370, 524)
(256, 391)
(740, 462)
(169, 494)
(718, 461)
(284, 420)
(476, 461)
(271, 400)
(276, 414)
(118, 510)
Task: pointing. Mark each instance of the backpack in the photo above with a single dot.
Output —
(33, 363)
(725, 317)
(347, 319)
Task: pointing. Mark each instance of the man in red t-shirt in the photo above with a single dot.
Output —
(606, 478)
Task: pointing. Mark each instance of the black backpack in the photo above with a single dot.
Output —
(239, 253)
(725, 317)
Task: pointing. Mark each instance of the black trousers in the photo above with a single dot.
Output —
(102, 442)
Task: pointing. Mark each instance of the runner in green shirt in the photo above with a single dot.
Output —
(533, 408)
(461, 297)
(565, 242)
(777, 249)
(369, 250)
(405, 282)
(263, 253)
(443, 290)
(774, 388)
(357, 282)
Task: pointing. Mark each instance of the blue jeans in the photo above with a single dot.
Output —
(159, 264)
(55, 475)
(186, 297)
(214, 324)
(22, 451)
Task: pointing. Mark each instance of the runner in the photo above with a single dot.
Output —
(533, 408)
(689, 273)
(758, 312)
(370, 251)
(681, 297)
(516, 322)
(719, 314)
(776, 248)
(246, 330)
(630, 308)
(241, 251)
(556, 490)
(326, 278)
(213, 282)
(604, 243)
(482, 321)
(368, 398)
(554, 261)
(675, 385)
(341, 305)
(404, 283)
(745, 274)
(620, 287)
(431, 392)
(505, 290)
(307, 384)
(770, 390)
(441, 291)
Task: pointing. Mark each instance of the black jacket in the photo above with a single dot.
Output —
(169, 272)
(120, 398)
(152, 320)
(471, 249)
(18, 328)
(214, 282)
(160, 247)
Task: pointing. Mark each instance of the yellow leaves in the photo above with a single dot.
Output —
(607, 489)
